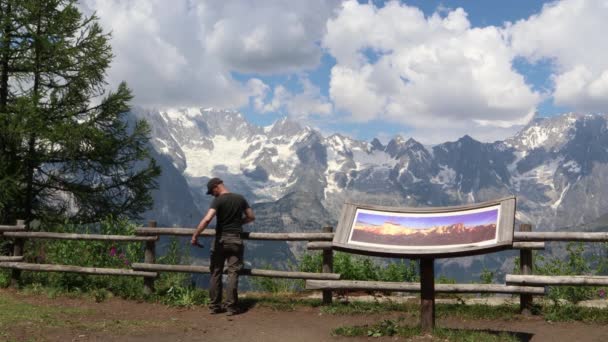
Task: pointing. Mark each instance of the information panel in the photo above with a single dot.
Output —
(426, 232)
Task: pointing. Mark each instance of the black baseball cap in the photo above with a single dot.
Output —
(212, 183)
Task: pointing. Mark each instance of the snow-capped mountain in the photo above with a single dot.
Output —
(298, 179)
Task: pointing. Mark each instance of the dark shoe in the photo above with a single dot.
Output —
(217, 311)
(233, 312)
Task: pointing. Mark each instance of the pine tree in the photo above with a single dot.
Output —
(67, 149)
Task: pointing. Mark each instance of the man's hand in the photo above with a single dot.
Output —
(195, 242)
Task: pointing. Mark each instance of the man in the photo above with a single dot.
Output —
(232, 211)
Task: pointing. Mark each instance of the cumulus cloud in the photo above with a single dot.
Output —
(570, 33)
(300, 105)
(430, 73)
(181, 53)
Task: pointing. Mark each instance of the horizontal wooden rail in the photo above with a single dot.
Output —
(11, 228)
(11, 258)
(325, 245)
(71, 236)
(75, 269)
(529, 245)
(245, 235)
(561, 236)
(249, 272)
(415, 287)
(538, 280)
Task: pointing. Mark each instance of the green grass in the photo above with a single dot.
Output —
(398, 328)
(394, 328)
(357, 307)
(570, 312)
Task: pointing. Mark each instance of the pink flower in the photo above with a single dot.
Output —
(602, 293)
(113, 251)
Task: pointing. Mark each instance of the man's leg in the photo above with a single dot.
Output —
(215, 281)
(234, 255)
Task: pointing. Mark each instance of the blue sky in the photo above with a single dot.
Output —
(431, 70)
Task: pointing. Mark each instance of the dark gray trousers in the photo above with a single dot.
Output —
(227, 250)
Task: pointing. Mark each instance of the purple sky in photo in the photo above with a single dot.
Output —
(429, 220)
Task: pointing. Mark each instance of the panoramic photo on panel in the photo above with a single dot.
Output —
(377, 228)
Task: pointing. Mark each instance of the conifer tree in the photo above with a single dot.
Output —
(67, 146)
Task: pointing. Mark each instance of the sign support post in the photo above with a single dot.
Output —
(427, 294)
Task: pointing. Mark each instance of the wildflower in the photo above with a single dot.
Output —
(113, 251)
(602, 293)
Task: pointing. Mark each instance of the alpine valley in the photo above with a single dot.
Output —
(297, 179)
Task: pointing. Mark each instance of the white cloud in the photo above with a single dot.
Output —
(301, 105)
(183, 53)
(570, 33)
(430, 73)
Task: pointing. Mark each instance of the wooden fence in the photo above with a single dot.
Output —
(525, 284)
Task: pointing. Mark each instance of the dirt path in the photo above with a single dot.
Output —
(81, 319)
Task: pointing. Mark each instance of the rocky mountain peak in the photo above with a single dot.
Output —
(283, 127)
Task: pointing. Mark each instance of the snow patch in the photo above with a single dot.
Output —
(572, 166)
(446, 176)
(226, 152)
(561, 197)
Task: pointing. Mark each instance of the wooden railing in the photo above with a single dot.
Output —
(525, 284)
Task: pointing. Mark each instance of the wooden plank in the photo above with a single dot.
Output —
(538, 280)
(248, 272)
(244, 235)
(75, 269)
(71, 236)
(561, 236)
(358, 285)
(529, 245)
(11, 258)
(319, 245)
(150, 258)
(15, 228)
(328, 267)
(525, 267)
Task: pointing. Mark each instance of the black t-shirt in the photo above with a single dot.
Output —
(230, 211)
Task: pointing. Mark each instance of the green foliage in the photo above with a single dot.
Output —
(87, 254)
(486, 276)
(178, 289)
(363, 268)
(5, 278)
(66, 148)
(279, 285)
(574, 264)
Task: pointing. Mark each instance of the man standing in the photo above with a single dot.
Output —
(232, 211)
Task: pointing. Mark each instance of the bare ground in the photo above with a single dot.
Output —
(121, 320)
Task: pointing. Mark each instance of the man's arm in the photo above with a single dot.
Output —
(202, 225)
(249, 216)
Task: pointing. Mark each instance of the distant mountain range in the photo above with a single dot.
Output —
(297, 179)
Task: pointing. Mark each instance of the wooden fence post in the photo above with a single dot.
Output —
(17, 251)
(427, 294)
(328, 266)
(150, 258)
(525, 266)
